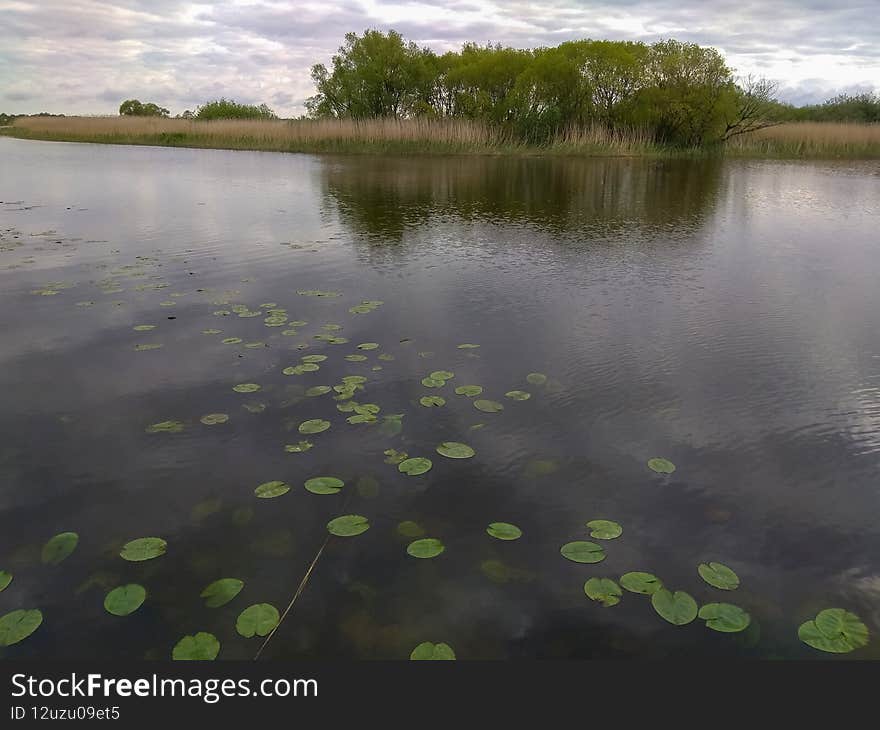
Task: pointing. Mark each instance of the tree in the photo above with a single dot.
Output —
(753, 107)
(134, 108)
(228, 109)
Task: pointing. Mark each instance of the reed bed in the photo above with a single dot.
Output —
(439, 136)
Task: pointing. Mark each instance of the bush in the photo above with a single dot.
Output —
(228, 109)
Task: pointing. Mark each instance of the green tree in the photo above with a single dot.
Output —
(135, 108)
(228, 109)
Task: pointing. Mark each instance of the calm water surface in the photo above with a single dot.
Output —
(724, 315)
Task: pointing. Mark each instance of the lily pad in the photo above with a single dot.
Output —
(5, 579)
(221, 592)
(581, 551)
(455, 450)
(348, 525)
(443, 375)
(467, 346)
(144, 327)
(661, 466)
(604, 590)
(18, 625)
(393, 456)
(536, 378)
(677, 608)
(231, 340)
(212, 419)
(368, 346)
(518, 395)
(165, 427)
(246, 388)
(644, 583)
(201, 647)
(427, 547)
(604, 529)
(725, 617)
(362, 418)
(504, 531)
(257, 620)
(313, 358)
(298, 448)
(834, 630)
(59, 547)
(432, 652)
(355, 358)
(432, 401)
(469, 390)
(408, 528)
(125, 600)
(488, 406)
(146, 347)
(268, 490)
(433, 382)
(415, 466)
(144, 548)
(719, 576)
(324, 485)
(318, 390)
(315, 425)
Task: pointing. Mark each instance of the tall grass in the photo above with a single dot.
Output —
(439, 136)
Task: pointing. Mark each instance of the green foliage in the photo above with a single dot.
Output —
(135, 108)
(228, 109)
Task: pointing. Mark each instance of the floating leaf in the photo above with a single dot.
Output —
(455, 450)
(165, 427)
(677, 608)
(257, 620)
(318, 390)
(725, 617)
(536, 378)
(469, 390)
(433, 382)
(581, 551)
(324, 485)
(144, 548)
(408, 528)
(313, 358)
(361, 418)
(355, 358)
(488, 406)
(125, 600)
(145, 347)
(348, 525)
(392, 456)
(231, 341)
(201, 647)
(467, 346)
(428, 547)
(415, 466)
(306, 367)
(387, 357)
(246, 388)
(298, 448)
(443, 375)
(428, 651)
(18, 625)
(834, 630)
(5, 579)
(221, 592)
(59, 547)
(518, 395)
(504, 531)
(268, 490)
(368, 346)
(604, 590)
(604, 529)
(661, 466)
(432, 401)
(719, 576)
(644, 583)
(212, 419)
(144, 327)
(211, 332)
(315, 425)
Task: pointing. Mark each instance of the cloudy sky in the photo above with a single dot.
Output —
(86, 56)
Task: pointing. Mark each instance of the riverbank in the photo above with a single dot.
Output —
(443, 136)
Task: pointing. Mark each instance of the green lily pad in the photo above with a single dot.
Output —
(368, 346)
(677, 608)
(221, 592)
(436, 652)
(348, 525)
(324, 485)
(318, 390)
(433, 382)
(257, 620)
(144, 548)
(211, 332)
(427, 547)
(504, 531)
(644, 583)
(467, 346)
(488, 406)
(144, 327)
(18, 625)
(536, 378)
(268, 490)
(604, 590)
(212, 419)
(415, 466)
(719, 576)
(455, 450)
(661, 466)
(355, 358)
(834, 630)
(432, 401)
(201, 647)
(125, 600)
(231, 340)
(315, 425)
(246, 388)
(313, 358)
(59, 547)
(386, 357)
(306, 367)
(604, 529)
(725, 617)
(469, 390)
(298, 448)
(408, 528)
(393, 456)
(518, 395)
(581, 551)
(361, 418)
(165, 427)
(5, 579)
(147, 346)
(443, 375)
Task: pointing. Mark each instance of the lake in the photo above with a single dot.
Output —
(722, 315)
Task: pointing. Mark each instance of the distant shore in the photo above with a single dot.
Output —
(799, 140)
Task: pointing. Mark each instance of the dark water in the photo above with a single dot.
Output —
(725, 316)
